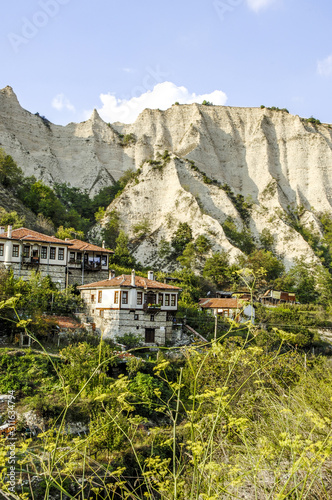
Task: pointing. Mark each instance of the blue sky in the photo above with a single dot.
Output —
(65, 57)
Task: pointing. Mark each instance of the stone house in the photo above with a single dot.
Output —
(87, 262)
(66, 262)
(132, 304)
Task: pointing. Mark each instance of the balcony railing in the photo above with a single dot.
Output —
(75, 262)
(32, 261)
(93, 266)
(151, 308)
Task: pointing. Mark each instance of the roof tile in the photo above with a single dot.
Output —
(124, 280)
(25, 234)
(219, 303)
(83, 245)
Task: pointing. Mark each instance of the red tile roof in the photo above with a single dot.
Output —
(219, 303)
(83, 245)
(125, 281)
(63, 321)
(24, 234)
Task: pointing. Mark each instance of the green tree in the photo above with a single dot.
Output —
(218, 270)
(122, 255)
(304, 276)
(69, 232)
(142, 228)
(111, 230)
(11, 218)
(10, 174)
(202, 244)
(164, 249)
(264, 259)
(181, 237)
(188, 257)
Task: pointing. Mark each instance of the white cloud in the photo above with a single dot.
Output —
(257, 5)
(60, 102)
(162, 96)
(324, 67)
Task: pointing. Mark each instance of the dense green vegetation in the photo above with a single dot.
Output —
(25, 303)
(67, 210)
(237, 418)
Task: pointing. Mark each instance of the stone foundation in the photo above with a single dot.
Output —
(75, 276)
(56, 273)
(117, 323)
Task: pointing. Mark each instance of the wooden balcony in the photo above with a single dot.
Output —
(31, 261)
(92, 266)
(151, 308)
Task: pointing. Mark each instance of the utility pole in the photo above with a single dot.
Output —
(215, 326)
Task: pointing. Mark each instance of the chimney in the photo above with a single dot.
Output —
(150, 275)
(2, 229)
(9, 231)
(112, 274)
(103, 244)
(67, 239)
(133, 277)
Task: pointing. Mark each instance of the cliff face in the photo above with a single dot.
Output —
(87, 155)
(272, 158)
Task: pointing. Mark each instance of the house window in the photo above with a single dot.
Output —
(104, 260)
(43, 253)
(136, 317)
(161, 299)
(116, 297)
(61, 254)
(151, 298)
(71, 256)
(1, 250)
(26, 251)
(101, 313)
(152, 317)
(16, 250)
(124, 297)
(78, 256)
(139, 298)
(52, 253)
(173, 299)
(166, 299)
(100, 296)
(149, 335)
(92, 298)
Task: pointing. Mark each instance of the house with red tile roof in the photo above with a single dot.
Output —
(87, 263)
(233, 308)
(66, 262)
(132, 304)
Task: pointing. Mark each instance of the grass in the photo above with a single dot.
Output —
(227, 419)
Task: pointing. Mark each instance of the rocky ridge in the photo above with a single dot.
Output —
(277, 162)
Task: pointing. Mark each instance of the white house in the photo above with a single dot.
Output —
(23, 250)
(66, 262)
(132, 304)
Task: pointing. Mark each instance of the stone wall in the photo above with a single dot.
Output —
(75, 276)
(117, 323)
(56, 273)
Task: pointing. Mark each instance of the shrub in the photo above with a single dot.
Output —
(130, 340)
